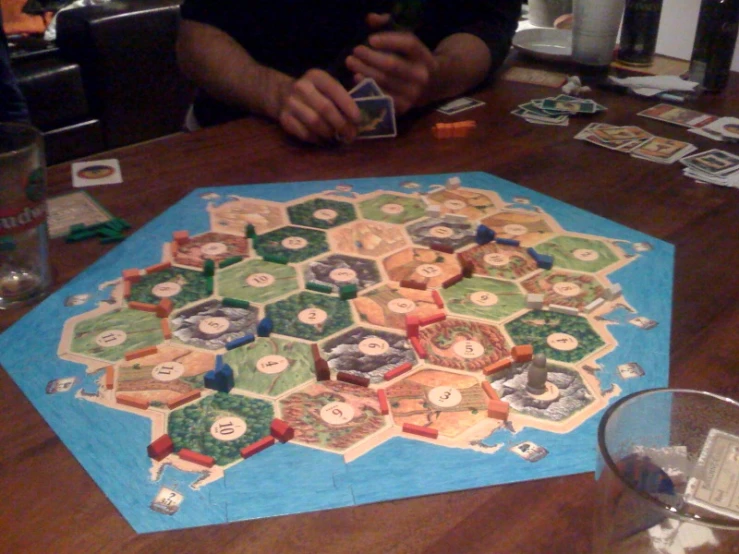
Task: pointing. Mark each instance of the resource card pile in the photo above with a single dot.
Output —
(557, 110)
(724, 129)
(713, 166)
(636, 141)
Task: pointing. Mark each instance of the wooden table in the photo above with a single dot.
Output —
(51, 505)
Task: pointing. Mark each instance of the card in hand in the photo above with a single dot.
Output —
(367, 88)
(378, 117)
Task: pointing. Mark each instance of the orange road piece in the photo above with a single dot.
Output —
(420, 431)
(382, 399)
(257, 447)
(457, 129)
(196, 457)
(132, 401)
(497, 409)
(166, 331)
(174, 248)
(522, 352)
(399, 370)
(418, 347)
(353, 379)
(126, 289)
(438, 300)
(142, 306)
(133, 275)
(503, 363)
(141, 352)
(164, 308)
(109, 377)
(411, 325)
(180, 236)
(184, 399)
(433, 318)
(489, 391)
(158, 267)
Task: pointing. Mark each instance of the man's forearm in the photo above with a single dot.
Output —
(220, 66)
(464, 61)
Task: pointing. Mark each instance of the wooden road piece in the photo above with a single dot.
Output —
(353, 379)
(418, 347)
(166, 330)
(497, 409)
(180, 236)
(432, 318)
(427, 432)
(160, 448)
(140, 353)
(142, 306)
(382, 399)
(438, 300)
(500, 365)
(398, 370)
(257, 447)
(452, 281)
(411, 284)
(184, 399)
(132, 401)
(196, 457)
(133, 275)
(109, 377)
(489, 391)
(164, 308)
(158, 267)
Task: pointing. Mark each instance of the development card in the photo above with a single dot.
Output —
(367, 88)
(663, 150)
(378, 118)
(95, 173)
(714, 481)
(713, 162)
(75, 207)
(459, 105)
(568, 104)
(678, 116)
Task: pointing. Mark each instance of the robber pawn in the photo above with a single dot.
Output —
(537, 375)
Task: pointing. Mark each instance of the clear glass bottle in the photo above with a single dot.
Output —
(715, 39)
(24, 263)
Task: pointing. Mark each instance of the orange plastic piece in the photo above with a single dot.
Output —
(522, 353)
(433, 318)
(438, 300)
(256, 447)
(184, 399)
(418, 347)
(503, 363)
(180, 236)
(196, 457)
(399, 370)
(382, 399)
(109, 377)
(498, 409)
(126, 289)
(421, 431)
(458, 129)
(132, 401)
(166, 331)
(164, 308)
(158, 267)
(489, 391)
(142, 306)
(133, 275)
(141, 352)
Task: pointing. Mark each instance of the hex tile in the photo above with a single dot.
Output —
(500, 261)
(393, 208)
(321, 213)
(388, 305)
(368, 238)
(182, 286)
(454, 234)
(215, 246)
(579, 253)
(256, 281)
(484, 298)
(211, 325)
(528, 227)
(234, 215)
(310, 316)
(422, 265)
(338, 269)
(564, 288)
(295, 243)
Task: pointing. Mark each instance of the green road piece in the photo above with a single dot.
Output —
(347, 292)
(209, 267)
(275, 258)
(319, 287)
(235, 303)
(230, 261)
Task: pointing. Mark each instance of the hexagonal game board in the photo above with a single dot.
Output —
(307, 346)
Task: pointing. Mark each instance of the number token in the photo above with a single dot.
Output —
(260, 280)
(566, 289)
(337, 413)
(392, 209)
(468, 349)
(312, 316)
(373, 346)
(228, 428)
(441, 232)
(401, 305)
(343, 275)
(214, 325)
(585, 255)
(165, 290)
(213, 248)
(455, 204)
(428, 270)
(272, 364)
(562, 341)
(445, 396)
(167, 371)
(294, 243)
(497, 259)
(484, 298)
(515, 229)
(107, 339)
(325, 214)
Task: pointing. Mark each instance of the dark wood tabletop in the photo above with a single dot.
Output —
(49, 502)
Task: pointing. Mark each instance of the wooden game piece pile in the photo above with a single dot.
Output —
(457, 129)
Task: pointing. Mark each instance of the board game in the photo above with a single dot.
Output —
(271, 349)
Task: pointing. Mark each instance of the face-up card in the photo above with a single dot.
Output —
(568, 106)
(459, 105)
(663, 150)
(72, 208)
(378, 118)
(726, 127)
(713, 162)
(535, 77)
(95, 173)
(678, 116)
(367, 88)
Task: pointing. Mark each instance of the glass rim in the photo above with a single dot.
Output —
(33, 133)
(726, 523)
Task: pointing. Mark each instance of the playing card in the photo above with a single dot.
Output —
(95, 173)
(568, 105)
(378, 118)
(459, 105)
(663, 150)
(713, 162)
(678, 116)
(75, 207)
(726, 127)
(535, 77)
(367, 88)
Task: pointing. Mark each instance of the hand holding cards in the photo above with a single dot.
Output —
(377, 109)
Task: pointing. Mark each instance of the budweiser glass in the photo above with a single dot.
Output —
(24, 262)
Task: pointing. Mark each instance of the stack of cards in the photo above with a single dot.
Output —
(557, 110)
(459, 105)
(378, 111)
(678, 116)
(724, 129)
(635, 141)
(713, 166)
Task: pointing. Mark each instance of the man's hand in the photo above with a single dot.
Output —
(399, 62)
(316, 108)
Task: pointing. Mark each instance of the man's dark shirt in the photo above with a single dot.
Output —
(12, 104)
(293, 36)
